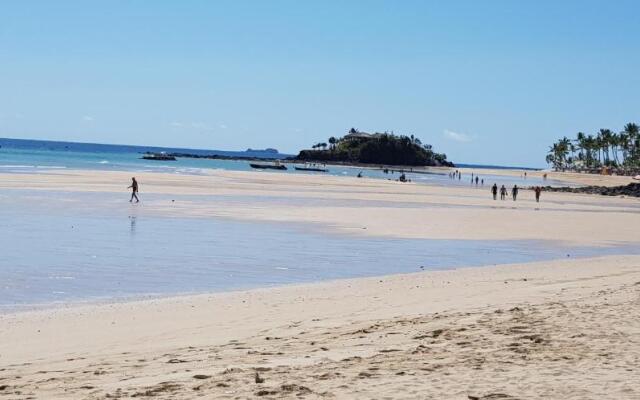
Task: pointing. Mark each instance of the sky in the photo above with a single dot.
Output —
(487, 82)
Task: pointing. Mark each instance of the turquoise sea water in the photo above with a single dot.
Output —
(33, 156)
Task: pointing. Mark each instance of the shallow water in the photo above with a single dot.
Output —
(39, 160)
(65, 253)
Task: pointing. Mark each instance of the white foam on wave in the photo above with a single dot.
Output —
(103, 162)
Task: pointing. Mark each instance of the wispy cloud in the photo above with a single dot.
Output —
(197, 125)
(223, 126)
(87, 118)
(457, 137)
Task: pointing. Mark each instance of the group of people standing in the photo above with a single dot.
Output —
(474, 178)
(514, 192)
(455, 175)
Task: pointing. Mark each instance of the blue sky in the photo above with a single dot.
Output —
(483, 81)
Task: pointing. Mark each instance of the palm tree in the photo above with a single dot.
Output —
(605, 141)
(581, 145)
(614, 141)
(591, 144)
(624, 145)
(332, 142)
(633, 132)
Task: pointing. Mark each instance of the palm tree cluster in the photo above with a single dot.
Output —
(322, 146)
(605, 148)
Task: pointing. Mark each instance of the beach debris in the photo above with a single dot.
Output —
(201, 376)
(258, 379)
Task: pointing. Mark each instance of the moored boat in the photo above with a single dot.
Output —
(268, 166)
(162, 156)
(312, 169)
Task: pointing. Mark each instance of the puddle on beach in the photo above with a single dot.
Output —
(56, 255)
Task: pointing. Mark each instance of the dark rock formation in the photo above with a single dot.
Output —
(632, 189)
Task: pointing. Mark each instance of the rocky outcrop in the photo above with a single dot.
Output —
(632, 189)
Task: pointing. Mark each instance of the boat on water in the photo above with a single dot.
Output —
(268, 166)
(162, 156)
(312, 169)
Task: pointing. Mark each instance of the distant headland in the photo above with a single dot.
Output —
(385, 148)
(267, 150)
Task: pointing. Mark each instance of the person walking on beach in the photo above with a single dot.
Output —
(503, 193)
(514, 192)
(476, 180)
(134, 190)
(537, 189)
(494, 191)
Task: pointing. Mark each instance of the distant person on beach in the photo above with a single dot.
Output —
(482, 182)
(537, 189)
(514, 192)
(134, 190)
(476, 180)
(360, 174)
(503, 193)
(494, 191)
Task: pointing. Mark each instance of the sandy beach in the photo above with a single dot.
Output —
(552, 329)
(360, 206)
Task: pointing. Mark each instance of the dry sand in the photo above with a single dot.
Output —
(565, 329)
(568, 177)
(558, 330)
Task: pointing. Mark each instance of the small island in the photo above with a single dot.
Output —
(357, 147)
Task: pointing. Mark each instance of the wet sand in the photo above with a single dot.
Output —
(360, 206)
(554, 329)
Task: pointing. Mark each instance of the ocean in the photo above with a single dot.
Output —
(33, 156)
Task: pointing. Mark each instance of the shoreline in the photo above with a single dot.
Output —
(281, 333)
(440, 334)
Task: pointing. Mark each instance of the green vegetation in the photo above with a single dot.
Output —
(620, 151)
(379, 148)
